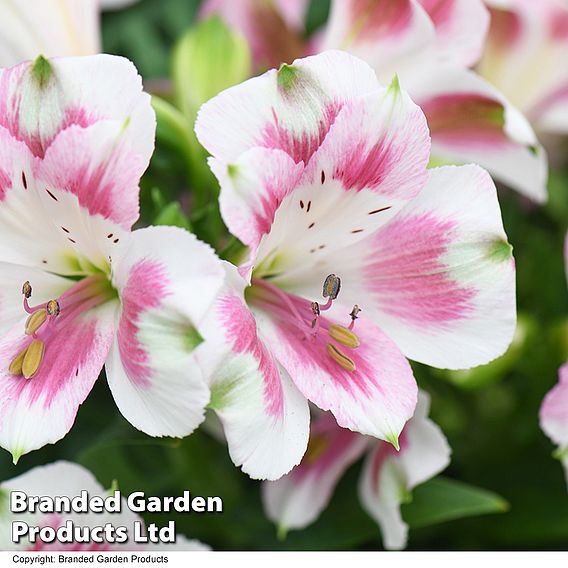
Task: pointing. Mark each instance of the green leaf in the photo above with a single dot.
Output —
(175, 131)
(442, 499)
(173, 216)
(208, 59)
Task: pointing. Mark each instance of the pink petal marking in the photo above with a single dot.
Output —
(381, 18)
(5, 184)
(559, 23)
(98, 166)
(240, 329)
(414, 284)
(73, 341)
(146, 288)
(440, 11)
(11, 93)
(299, 147)
(466, 119)
(505, 29)
(361, 167)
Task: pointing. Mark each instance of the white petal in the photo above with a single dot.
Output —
(166, 280)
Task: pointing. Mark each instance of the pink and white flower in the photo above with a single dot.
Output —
(554, 409)
(50, 28)
(525, 57)
(388, 477)
(323, 176)
(66, 479)
(76, 134)
(430, 44)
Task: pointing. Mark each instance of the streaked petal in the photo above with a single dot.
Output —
(166, 280)
(263, 111)
(470, 121)
(38, 100)
(99, 165)
(266, 419)
(252, 189)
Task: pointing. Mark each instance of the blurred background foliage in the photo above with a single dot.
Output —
(489, 414)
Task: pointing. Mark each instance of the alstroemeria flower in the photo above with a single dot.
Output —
(554, 409)
(323, 176)
(388, 476)
(66, 479)
(431, 44)
(76, 134)
(50, 28)
(525, 57)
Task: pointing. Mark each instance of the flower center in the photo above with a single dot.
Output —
(47, 319)
(307, 317)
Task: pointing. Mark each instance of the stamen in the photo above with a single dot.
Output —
(53, 308)
(331, 286)
(35, 321)
(15, 367)
(340, 358)
(27, 289)
(344, 336)
(33, 358)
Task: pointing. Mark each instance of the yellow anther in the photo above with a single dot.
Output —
(53, 308)
(27, 289)
(33, 358)
(15, 367)
(317, 446)
(340, 358)
(331, 286)
(35, 321)
(344, 336)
